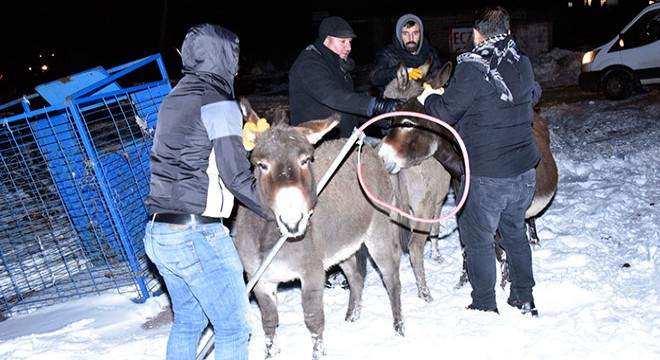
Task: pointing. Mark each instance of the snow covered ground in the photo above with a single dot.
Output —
(597, 270)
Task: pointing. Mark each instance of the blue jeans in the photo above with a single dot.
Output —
(204, 278)
(492, 204)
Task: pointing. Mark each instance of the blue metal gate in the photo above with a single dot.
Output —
(74, 176)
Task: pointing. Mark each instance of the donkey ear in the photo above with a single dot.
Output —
(249, 115)
(253, 124)
(314, 130)
(280, 117)
(426, 66)
(443, 76)
(402, 75)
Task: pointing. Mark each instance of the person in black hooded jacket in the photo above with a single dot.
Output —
(320, 82)
(198, 166)
(408, 46)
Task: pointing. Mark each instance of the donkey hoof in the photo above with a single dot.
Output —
(437, 257)
(353, 314)
(425, 294)
(461, 281)
(399, 328)
(318, 350)
(271, 349)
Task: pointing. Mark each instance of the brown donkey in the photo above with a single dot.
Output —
(411, 140)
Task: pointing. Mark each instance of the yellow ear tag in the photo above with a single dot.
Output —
(250, 131)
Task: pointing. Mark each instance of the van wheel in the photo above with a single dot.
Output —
(618, 84)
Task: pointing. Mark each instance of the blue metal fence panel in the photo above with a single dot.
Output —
(73, 184)
(56, 92)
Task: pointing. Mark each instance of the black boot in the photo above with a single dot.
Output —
(524, 306)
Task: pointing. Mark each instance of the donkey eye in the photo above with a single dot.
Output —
(306, 160)
(262, 166)
(407, 124)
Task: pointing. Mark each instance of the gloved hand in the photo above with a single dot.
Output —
(386, 105)
(414, 73)
(428, 90)
(250, 131)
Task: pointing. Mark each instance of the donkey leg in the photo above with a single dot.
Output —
(531, 232)
(500, 254)
(501, 258)
(463, 279)
(386, 254)
(434, 237)
(504, 266)
(436, 255)
(312, 284)
(416, 253)
(266, 298)
(355, 269)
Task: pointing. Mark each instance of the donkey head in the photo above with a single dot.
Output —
(410, 140)
(401, 87)
(281, 161)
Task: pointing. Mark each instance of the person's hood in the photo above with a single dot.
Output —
(399, 28)
(211, 52)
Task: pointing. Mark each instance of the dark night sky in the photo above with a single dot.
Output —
(136, 28)
(121, 31)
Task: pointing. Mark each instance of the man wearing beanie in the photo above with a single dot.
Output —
(409, 46)
(320, 82)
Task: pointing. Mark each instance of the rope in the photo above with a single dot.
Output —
(396, 209)
(207, 341)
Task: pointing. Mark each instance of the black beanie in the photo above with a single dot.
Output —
(337, 27)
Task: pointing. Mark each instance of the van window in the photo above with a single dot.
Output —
(654, 29)
(644, 31)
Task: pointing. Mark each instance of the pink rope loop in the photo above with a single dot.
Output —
(394, 208)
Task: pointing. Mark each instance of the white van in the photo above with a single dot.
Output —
(628, 62)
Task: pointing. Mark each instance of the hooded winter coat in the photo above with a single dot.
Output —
(198, 161)
(387, 58)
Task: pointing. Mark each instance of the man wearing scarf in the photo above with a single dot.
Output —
(408, 46)
(489, 102)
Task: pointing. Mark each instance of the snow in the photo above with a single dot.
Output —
(597, 268)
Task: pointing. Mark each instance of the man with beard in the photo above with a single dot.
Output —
(408, 45)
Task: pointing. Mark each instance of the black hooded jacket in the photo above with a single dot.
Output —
(198, 162)
(387, 58)
(320, 84)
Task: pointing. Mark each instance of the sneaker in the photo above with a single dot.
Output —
(472, 307)
(524, 306)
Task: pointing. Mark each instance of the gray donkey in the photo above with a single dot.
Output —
(287, 168)
(421, 189)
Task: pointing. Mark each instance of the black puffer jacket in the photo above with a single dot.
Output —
(319, 87)
(198, 162)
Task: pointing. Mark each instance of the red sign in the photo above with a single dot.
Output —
(460, 39)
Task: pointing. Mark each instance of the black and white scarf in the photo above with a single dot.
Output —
(489, 54)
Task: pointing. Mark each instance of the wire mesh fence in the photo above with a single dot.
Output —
(73, 180)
